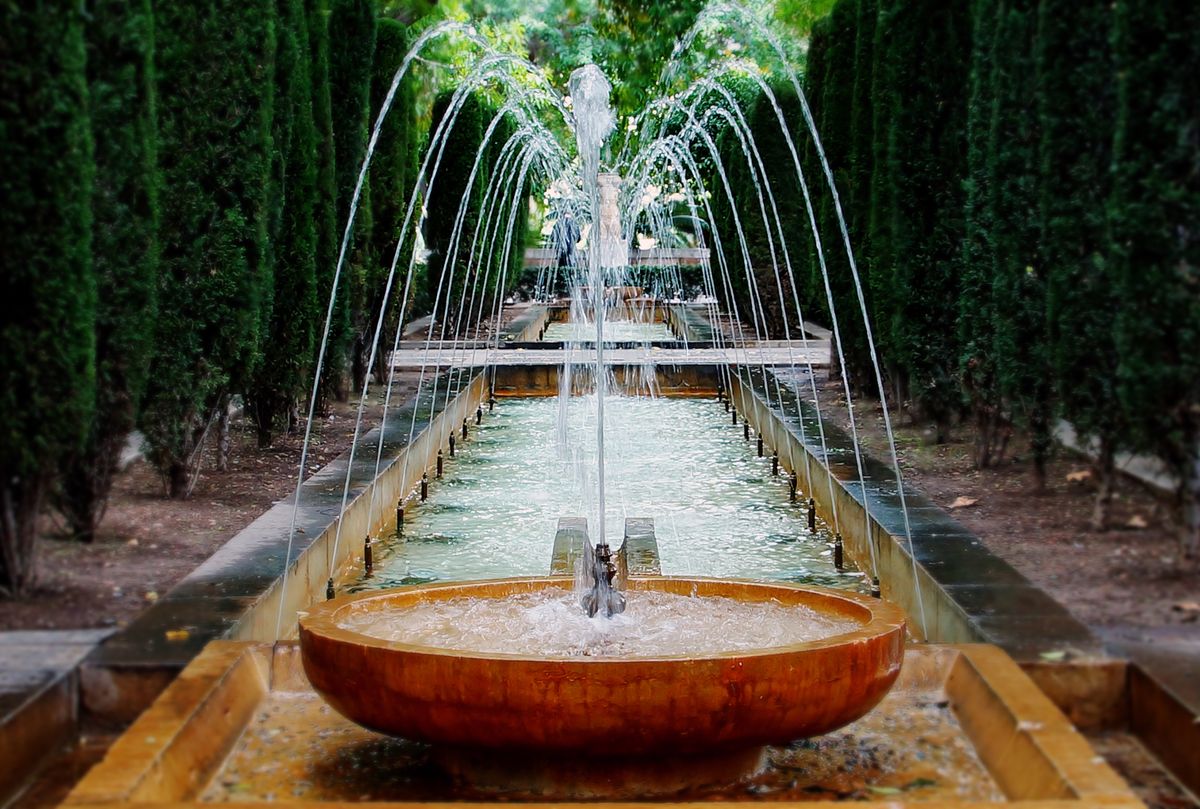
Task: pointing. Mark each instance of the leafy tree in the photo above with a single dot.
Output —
(1076, 107)
(47, 327)
(637, 40)
(325, 218)
(977, 361)
(216, 79)
(351, 51)
(1156, 251)
(1022, 355)
(121, 87)
(280, 380)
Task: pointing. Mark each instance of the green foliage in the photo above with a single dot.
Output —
(448, 190)
(121, 87)
(215, 78)
(1156, 244)
(325, 219)
(392, 176)
(636, 40)
(1076, 108)
(280, 380)
(47, 370)
(1021, 352)
(975, 327)
(351, 51)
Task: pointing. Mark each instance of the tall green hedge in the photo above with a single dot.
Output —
(974, 309)
(393, 176)
(1019, 273)
(216, 89)
(325, 218)
(449, 190)
(121, 87)
(47, 290)
(351, 51)
(922, 189)
(1076, 107)
(1154, 212)
(281, 379)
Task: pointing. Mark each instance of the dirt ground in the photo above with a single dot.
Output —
(1130, 576)
(147, 542)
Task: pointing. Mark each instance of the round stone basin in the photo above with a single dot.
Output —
(595, 708)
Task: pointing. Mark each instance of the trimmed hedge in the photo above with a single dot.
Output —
(216, 90)
(47, 327)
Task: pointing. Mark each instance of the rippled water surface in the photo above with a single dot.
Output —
(551, 624)
(717, 509)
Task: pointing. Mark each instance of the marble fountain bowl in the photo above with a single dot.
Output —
(579, 726)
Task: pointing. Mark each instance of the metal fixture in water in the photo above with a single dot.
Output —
(601, 597)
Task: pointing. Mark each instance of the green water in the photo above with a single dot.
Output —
(717, 509)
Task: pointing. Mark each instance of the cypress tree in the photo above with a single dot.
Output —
(1018, 271)
(351, 51)
(837, 108)
(816, 69)
(449, 187)
(977, 364)
(862, 127)
(392, 175)
(281, 378)
(120, 44)
(1076, 106)
(216, 81)
(1156, 252)
(879, 269)
(325, 217)
(926, 155)
(47, 326)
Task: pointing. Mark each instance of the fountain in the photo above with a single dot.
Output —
(565, 687)
(598, 720)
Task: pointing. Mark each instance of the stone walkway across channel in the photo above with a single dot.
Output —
(798, 352)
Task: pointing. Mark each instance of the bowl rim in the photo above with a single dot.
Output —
(320, 619)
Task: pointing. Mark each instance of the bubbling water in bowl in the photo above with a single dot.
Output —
(550, 624)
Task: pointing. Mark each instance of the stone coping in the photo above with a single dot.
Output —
(1028, 747)
(231, 593)
(957, 572)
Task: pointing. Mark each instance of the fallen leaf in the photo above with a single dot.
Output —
(1137, 522)
(177, 634)
(1079, 476)
(964, 502)
(152, 596)
(1052, 656)
(884, 790)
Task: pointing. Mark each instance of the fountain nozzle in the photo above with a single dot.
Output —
(602, 597)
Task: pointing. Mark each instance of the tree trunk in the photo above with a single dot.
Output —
(179, 481)
(20, 505)
(1106, 472)
(223, 439)
(1190, 502)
